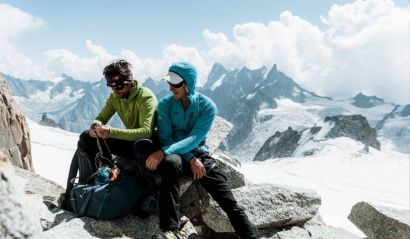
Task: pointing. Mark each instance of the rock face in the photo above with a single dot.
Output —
(280, 145)
(17, 219)
(363, 101)
(14, 131)
(286, 143)
(267, 206)
(355, 127)
(381, 222)
(49, 122)
(219, 131)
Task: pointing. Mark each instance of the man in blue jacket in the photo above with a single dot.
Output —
(184, 119)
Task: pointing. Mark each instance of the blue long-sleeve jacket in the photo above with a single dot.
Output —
(182, 131)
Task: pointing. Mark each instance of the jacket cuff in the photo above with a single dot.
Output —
(96, 122)
(188, 156)
(113, 133)
(165, 150)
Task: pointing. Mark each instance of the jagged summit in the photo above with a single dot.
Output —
(364, 101)
(240, 94)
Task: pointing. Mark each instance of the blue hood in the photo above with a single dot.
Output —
(187, 72)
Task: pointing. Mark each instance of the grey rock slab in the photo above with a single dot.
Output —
(267, 206)
(17, 217)
(35, 184)
(328, 232)
(381, 222)
(293, 233)
(235, 178)
(219, 131)
(14, 132)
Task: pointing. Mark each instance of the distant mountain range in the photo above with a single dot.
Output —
(258, 102)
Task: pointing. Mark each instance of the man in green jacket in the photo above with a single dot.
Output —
(135, 105)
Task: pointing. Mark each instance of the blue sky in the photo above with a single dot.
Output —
(148, 26)
(319, 44)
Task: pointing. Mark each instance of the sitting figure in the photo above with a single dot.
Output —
(184, 119)
(135, 106)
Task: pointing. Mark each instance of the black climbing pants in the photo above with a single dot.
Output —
(171, 170)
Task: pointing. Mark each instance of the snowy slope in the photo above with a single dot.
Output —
(342, 175)
(52, 151)
(305, 115)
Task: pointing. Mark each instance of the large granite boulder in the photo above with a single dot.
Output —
(219, 131)
(378, 222)
(17, 216)
(267, 206)
(14, 131)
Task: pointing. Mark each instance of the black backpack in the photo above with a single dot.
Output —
(106, 201)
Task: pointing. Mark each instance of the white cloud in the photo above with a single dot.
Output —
(63, 61)
(14, 22)
(364, 47)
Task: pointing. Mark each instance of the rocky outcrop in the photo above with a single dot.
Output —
(17, 217)
(353, 126)
(286, 143)
(379, 222)
(219, 131)
(14, 131)
(45, 120)
(267, 206)
(364, 101)
(406, 111)
(280, 145)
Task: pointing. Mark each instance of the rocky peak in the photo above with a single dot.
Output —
(70, 83)
(406, 111)
(286, 143)
(217, 71)
(24, 88)
(280, 145)
(159, 88)
(45, 120)
(273, 73)
(353, 126)
(14, 131)
(364, 101)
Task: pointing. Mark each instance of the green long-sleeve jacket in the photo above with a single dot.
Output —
(136, 112)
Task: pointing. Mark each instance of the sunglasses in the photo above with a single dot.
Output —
(179, 85)
(118, 85)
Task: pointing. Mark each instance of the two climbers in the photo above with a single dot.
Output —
(184, 118)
